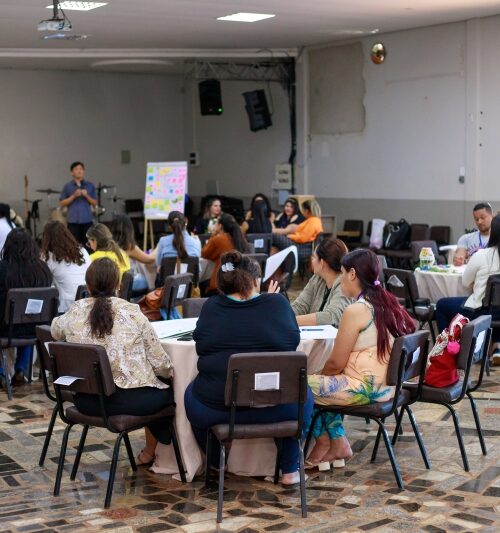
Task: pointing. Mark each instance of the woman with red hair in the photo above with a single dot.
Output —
(356, 372)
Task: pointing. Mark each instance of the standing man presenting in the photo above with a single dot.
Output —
(78, 195)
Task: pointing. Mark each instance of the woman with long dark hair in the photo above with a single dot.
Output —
(134, 351)
(260, 219)
(228, 236)
(123, 233)
(179, 243)
(356, 372)
(290, 215)
(100, 241)
(67, 260)
(483, 264)
(20, 267)
(259, 197)
(211, 214)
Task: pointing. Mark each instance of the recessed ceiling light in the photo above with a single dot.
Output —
(376, 30)
(63, 37)
(246, 17)
(79, 6)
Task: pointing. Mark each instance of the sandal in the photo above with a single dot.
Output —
(145, 458)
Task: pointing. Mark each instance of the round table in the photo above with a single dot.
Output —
(250, 457)
(437, 285)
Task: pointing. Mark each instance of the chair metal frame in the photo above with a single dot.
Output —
(122, 435)
(233, 378)
(405, 362)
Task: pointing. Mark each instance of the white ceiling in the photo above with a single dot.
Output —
(191, 24)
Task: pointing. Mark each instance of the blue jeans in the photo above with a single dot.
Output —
(22, 360)
(202, 418)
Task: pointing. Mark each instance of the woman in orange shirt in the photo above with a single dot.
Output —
(227, 236)
(303, 233)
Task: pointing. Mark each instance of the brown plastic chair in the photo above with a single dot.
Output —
(191, 307)
(91, 364)
(407, 361)
(403, 258)
(475, 339)
(16, 304)
(176, 288)
(353, 225)
(82, 291)
(168, 267)
(261, 242)
(440, 234)
(43, 335)
(125, 291)
(416, 248)
(403, 285)
(240, 393)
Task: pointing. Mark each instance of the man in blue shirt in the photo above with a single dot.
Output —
(79, 196)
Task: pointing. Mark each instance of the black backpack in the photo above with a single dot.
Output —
(398, 235)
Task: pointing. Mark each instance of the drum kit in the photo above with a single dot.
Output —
(32, 209)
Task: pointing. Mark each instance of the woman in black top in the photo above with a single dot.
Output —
(20, 267)
(259, 221)
(290, 215)
(240, 320)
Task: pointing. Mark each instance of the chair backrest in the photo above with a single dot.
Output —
(246, 379)
(416, 248)
(125, 291)
(492, 295)
(261, 242)
(473, 340)
(34, 305)
(261, 259)
(408, 357)
(85, 361)
(420, 232)
(43, 336)
(402, 284)
(82, 291)
(176, 288)
(191, 307)
(440, 234)
(190, 264)
(354, 225)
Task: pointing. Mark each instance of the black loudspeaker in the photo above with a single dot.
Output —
(258, 112)
(210, 97)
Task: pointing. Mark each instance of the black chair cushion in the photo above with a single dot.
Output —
(17, 341)
(377, 409)
(437, 394)
(118, 422)
(424, 313)
(256, 431)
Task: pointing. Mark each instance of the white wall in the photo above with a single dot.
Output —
(423, 114)
(242, 161)
(50, 118)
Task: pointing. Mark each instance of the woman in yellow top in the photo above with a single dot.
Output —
(300, 234)
(100, 241)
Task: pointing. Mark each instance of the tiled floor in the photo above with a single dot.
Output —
(362, 496)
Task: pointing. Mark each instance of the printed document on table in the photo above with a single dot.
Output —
(170, 328)
(318, 332)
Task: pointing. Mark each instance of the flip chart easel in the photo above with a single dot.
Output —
(166, 187)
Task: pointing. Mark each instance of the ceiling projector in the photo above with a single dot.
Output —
(54, 24)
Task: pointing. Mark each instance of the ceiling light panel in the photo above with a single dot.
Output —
(79, 6)
(246, 17)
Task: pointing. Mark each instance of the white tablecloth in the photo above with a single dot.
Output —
(437, 285)
(252, 457)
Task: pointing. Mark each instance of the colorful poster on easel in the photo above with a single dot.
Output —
(166, 186)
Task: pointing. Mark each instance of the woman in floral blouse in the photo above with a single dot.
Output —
(135, 353)
(356, 372)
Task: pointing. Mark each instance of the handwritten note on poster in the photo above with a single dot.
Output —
(166, 186)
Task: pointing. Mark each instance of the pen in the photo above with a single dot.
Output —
(312, 329)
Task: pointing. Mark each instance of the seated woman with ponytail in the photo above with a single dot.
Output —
(100, 241)
(356, 372)
(135, 353)
(228, 236)
(179, 243)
